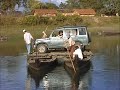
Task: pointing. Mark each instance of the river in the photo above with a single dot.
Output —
(104, 73)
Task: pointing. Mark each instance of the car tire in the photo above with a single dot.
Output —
(42, 48)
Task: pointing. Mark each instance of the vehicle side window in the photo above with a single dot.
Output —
(82, 31)
(72, 32)
(55, 33)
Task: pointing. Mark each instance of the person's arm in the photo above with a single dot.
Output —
(24, 37)
(31, 36)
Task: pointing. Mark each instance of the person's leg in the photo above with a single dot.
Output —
(28, 48)
(31, 48)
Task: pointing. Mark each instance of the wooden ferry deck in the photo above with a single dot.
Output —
(47, 57)
(52, 56)
(37, 55)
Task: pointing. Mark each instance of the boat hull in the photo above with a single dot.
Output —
(37, 65)
(78, 66)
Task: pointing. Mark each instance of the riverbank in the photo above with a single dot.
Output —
(15, 43)
(14, 32)
(102, 30)
(96, 26)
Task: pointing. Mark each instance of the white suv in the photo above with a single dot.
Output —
(78, 33)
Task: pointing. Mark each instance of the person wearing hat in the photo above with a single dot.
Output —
(27, 38)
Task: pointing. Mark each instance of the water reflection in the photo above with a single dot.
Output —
(105, 73)
(38, 75)
(12, 73)
(52, 80)
(106, 52)
(77, 78)
(56, 79)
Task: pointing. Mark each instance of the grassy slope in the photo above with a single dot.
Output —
(95, 24)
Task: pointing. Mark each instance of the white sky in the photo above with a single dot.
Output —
(59, 1)
(54, 1)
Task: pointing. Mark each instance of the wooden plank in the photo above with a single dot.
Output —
(36, 55)
(48, 57)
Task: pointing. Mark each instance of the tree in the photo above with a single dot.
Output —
(117, 4)
(73, 4)
(62, 5)
(34, 4)
(95, 4)
(111, 7)
(10, 4)
(51, 6)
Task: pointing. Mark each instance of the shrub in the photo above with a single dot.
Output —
(7, 20)
(43, 20)
(74, 20)
(31, 20)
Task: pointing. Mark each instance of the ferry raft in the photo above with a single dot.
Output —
(38, 60)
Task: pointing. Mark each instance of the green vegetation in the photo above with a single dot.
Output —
(34, 4)
(12, 26)
(38, 20)
(108, 42)
(107, 7)
(59, 20)
(10, 4)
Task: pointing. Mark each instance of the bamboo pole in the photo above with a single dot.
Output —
(66, 44)
(71, 61)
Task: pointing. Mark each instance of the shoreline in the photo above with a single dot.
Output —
(15, 32)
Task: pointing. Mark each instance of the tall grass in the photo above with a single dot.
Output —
(94, 24)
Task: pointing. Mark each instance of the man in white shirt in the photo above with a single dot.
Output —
(27, 38)
(78, 52)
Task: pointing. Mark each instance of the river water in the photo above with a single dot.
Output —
(104, 73)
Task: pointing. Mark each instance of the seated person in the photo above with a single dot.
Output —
(60, 34)
(78, 52)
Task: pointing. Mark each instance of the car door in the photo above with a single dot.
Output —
(55, 40)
